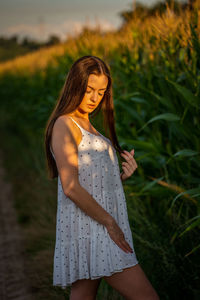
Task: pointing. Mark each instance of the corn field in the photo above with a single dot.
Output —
(155, 66)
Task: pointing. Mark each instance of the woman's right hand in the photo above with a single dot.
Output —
(118, 237)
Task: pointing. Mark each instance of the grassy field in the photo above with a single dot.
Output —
(155, 65)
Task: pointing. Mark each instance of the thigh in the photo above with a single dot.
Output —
(133, 284)
(84, 289)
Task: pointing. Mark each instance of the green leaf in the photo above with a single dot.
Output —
(193, 225)
(186, 93)
(132, 112)
(193, 192)
(150, 184)
(186, 152)
(139, 100)
(193, 250)
(165, 102)
(167, 117)
(127, 96)
(140, 144)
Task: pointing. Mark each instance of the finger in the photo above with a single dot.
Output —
(126, 245)
(135, 163)
(120, 243)
(129, 159)
(128, 167)
(130, 156)
(126, 170)
(130, 162)
(123, 247)
(125, 155)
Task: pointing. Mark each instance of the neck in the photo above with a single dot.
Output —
(80, 114)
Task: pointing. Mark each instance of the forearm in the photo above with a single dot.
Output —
(89, 205)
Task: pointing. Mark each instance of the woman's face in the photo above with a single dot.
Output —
(94, 93)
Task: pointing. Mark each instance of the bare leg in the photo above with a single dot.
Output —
(84, 289)
(132, 284)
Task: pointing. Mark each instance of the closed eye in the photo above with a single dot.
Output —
(90, 91)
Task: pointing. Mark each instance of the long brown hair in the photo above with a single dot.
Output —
(70, 98)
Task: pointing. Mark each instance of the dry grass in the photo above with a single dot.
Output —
(136, 34)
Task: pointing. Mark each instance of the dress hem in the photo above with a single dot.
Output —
(96, 277)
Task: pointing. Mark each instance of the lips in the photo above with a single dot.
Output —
(90, 105)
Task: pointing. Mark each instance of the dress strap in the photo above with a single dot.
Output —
(76, 123)
(52, 152)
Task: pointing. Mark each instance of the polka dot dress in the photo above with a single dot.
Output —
(83, 247)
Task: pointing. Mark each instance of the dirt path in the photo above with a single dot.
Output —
(13, 282)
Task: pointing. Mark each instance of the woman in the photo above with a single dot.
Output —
(93, 236)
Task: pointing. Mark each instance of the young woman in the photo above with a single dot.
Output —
(93, 236)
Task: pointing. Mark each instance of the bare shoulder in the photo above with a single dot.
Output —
(65, 125)
(64, 122)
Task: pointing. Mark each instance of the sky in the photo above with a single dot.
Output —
(38, 19)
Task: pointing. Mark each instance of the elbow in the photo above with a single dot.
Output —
(71, 189)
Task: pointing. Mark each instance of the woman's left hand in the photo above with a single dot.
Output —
(129, 166)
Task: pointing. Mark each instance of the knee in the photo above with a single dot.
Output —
(81, 297)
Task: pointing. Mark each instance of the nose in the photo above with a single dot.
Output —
(94, 96)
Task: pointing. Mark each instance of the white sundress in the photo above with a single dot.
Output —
(83, 247)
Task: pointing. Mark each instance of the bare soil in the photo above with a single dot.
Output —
(13, 279)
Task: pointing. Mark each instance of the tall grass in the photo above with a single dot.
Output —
(155, 64)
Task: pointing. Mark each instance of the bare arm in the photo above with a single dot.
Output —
(89, 205)
(64, 146)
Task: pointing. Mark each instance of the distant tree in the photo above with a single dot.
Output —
(53, 40)
(9, 41)
(25, 42)
(14, 39)
(11, 47)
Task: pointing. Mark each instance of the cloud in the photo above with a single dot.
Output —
(43, 30)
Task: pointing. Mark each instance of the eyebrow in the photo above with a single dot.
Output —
(93, 88)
